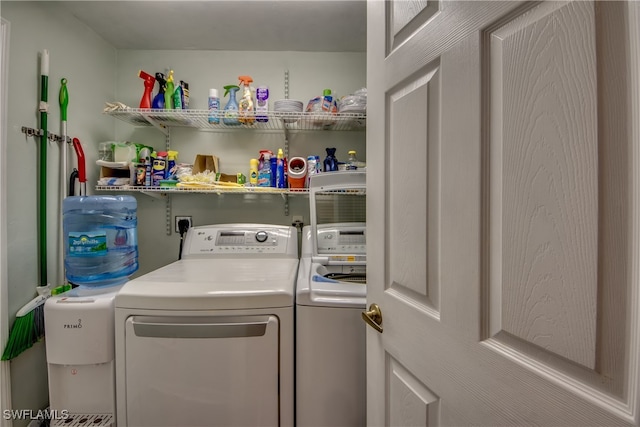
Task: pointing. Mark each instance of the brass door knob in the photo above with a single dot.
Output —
(373, 317)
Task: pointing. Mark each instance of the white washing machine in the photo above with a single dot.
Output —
(330, 297)
(209, 340)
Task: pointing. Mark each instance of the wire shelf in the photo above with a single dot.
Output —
(276, 120)
(202, 189)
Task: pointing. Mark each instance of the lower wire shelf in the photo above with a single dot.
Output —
(204, 189)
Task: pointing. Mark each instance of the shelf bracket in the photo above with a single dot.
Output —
(285, 197)
(167, 209)
(155, 124)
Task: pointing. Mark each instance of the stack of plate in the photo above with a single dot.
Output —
(288, 109)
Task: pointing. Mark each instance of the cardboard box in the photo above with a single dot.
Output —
(205, 162)
(106, 172)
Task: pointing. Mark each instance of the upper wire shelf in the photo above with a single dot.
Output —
(276, 120)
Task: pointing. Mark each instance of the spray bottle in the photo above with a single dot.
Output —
(247, 103)
(172, 156)
(149, 82)
(158, 100)
(231, 109)
(168, 95)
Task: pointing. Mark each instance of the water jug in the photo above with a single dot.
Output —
(101, 241)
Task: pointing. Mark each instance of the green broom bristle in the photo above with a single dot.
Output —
(26, 331)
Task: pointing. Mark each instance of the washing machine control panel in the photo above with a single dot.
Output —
(348, 240)
(216, 241)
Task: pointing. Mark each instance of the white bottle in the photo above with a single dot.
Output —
(214, 106)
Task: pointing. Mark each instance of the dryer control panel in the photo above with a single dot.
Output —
(239, 240)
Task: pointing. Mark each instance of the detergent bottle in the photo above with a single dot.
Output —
(168, 95)
(247, 104)
(230, 113)
(158, 100)
(280, 180)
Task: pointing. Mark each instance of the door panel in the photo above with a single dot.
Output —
(544, 180)
(414, 175)
(506, 270)
(411, 403)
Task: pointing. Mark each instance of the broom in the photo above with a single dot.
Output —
(27, 329)
(29, 325)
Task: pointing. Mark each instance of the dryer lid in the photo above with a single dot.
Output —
(213, 284)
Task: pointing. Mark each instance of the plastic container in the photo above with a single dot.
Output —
(352, 163)
(172, 156)
(101, 241)
(231, 109)
(297, 172)
(253, 172)
(311, 168)
(262, 104)
(246, 109)
(274, 171)
(168, 92)
(105, 151)
(214, 106)
(280, 181)
(330, 162)
(264, 174)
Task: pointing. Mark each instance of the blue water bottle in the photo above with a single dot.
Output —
(101, 241)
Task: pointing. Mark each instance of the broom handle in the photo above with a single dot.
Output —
(44, 96)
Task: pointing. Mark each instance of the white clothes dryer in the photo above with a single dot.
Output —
(209, 340)
(330, 297)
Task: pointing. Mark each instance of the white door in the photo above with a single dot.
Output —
(503, 213)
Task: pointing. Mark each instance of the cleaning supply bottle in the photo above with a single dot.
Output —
(158, 100)
(185, 94)
(214, 106)
(168, 95)
(149, 82)
(144, 156)
(280, 181)
(264, 174)
(253, 172)
(172, 156)
(158, 168)
(177, 98)
(230, 116)
(262, 104)
(330, 162)
(246, 108)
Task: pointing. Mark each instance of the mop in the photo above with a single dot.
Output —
(28, 327)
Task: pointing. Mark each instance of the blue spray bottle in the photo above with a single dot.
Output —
(158, 100)
(230, 113)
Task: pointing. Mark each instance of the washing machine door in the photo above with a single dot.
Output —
(201, 371)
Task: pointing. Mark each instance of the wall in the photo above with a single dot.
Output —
(88, 63)
(309, 74)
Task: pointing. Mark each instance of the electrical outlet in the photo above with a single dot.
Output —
(297, 222)
(179, 218)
